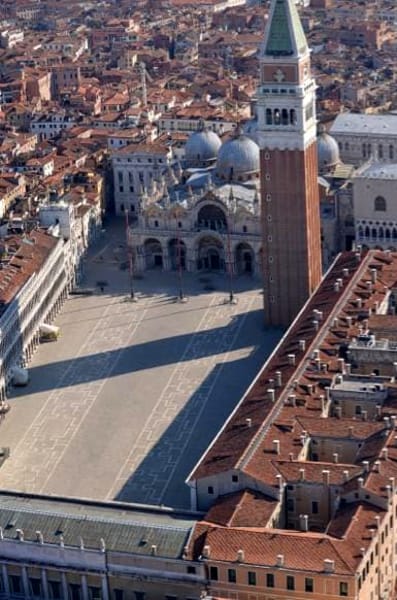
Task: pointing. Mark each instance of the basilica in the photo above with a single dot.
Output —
(206, 216)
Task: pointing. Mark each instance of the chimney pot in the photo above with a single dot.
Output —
(291, 359)
(276, 446)
(240, 555)
(302, 345)
(302, 474)
(280, 560)
(326, 474)
(271, 395)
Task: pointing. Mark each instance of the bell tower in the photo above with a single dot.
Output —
(286, 134)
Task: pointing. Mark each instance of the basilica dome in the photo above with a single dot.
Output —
(327, 151)
(238, 159)
(202, 147)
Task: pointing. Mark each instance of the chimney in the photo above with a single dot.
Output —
(345, 475)
(315, 324)
(20, 535)
(393, 421)
(326, 474)
(249, 422)
(336, 288)
(207, 551)
(39, 537)
(279, 480)
(291, 456)
(345, 272)
(153, 550)
(278, 379)
(302, 474)
(304, 522)
(335, 322)
(392, 482)
(280, 560)
(395, 368)
(240, 556)
(386, 421)
(362, 551)
(341, 365)
(316, 353)
(360, 482)
(357, 256)
(291, 359)
(349, 321)
(364, 415)
(385, 454)
(329, 565)
(292, 399)
(276, 446)
(348, 368)
(378, 410)
(374, 275)
(377, 519)
(335, 457)
(377, 466)
(372, 532)
(366, 466)
(318, 363)
(103, 545)
(338, 378)
(271, 395)
(359, 302)
(302, 345)
(338, 412)
(351, 429)
(323, 403)
(295, 384)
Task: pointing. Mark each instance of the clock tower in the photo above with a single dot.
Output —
(286, 134)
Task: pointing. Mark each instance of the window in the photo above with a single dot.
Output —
(231, 575)
(380, 151)
(235, 478)
(75, 591)
(54, 589)
(343, 588)
(290, 582)
(214, 573)
(290, 505)
(391, 152)
(118, 594)
(15, 584)
(139, 595)
(35, 587)
(171, 597)
(210, 489)
(380, 204)
(315, 508)
(270, 580)
(191, 570)
(358, 410)
(94, 593)
(251, 578)
(156, 223)
(309, 584)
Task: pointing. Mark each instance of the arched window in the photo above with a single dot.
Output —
(269, 118)
(360, 232)
(346, 145)
(391, 152)
(277, 117)
(367, 234)
(380, 204)
(374, 233)
(381, 233)
(284, 117)
(387, 234)
(364, 147)
(394, 234)
(380, 151)
(292, 116)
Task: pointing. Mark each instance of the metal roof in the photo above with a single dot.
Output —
(123, 528)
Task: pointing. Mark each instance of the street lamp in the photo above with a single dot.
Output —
(232, 299)
(181, 297)
(130, 258)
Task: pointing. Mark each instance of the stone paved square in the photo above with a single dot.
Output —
(122, 406)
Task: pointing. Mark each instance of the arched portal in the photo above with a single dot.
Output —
(153, 253)
(210, 254)
(212, 217)
(177, 254)
(244, 258)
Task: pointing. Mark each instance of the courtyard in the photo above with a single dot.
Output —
(123, 405)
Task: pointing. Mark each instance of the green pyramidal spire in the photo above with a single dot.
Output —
(284, 34)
